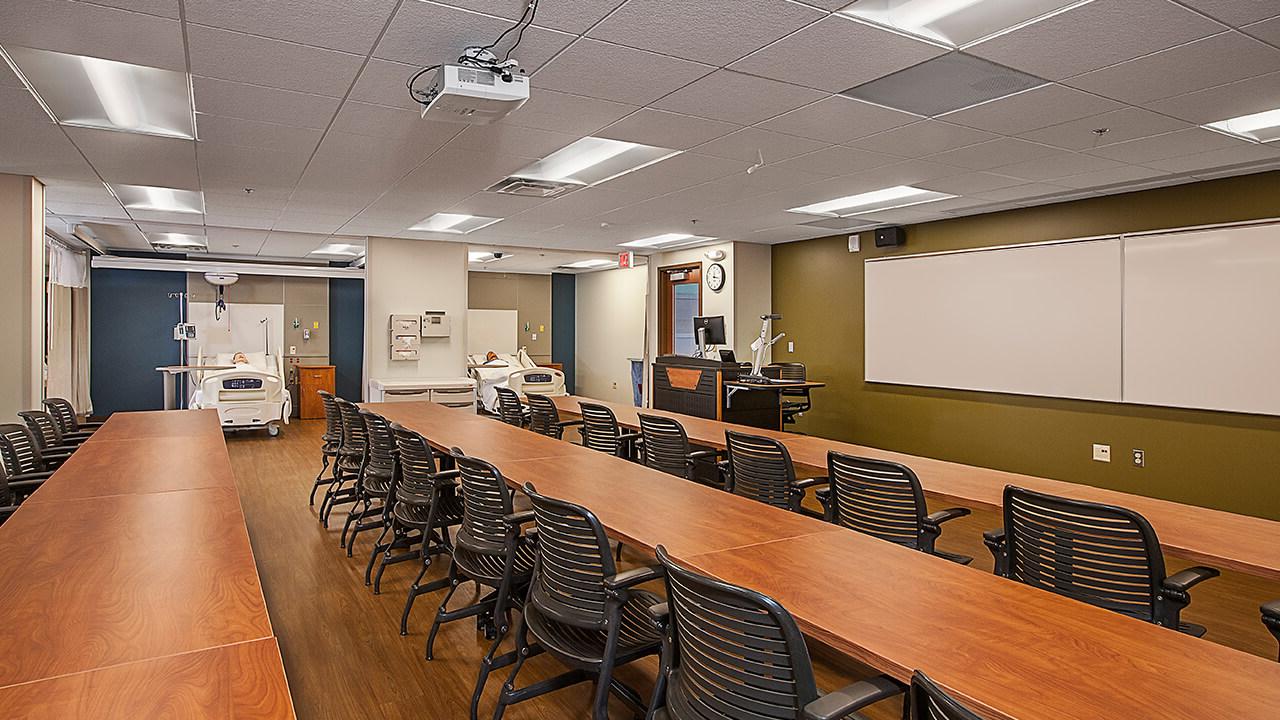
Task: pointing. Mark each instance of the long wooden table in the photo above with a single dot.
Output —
(129, 588)
(1222, 539)
(1008, 650)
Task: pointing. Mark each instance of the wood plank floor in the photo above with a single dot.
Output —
(345, 658)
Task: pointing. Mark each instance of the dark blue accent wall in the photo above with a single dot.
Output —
(346, 335)
(564, 288)
(131, 334)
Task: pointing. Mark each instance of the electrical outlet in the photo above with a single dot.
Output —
(293, 349)
(791, 346)
(1139, 457)
(1102, 453)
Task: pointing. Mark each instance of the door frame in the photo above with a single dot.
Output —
(666, 299)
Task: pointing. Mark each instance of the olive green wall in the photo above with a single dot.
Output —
(1220, 460)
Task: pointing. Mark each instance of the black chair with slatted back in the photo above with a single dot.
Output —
(22, 456)
(510, 410)
(426, 505)
(378, 469)
(13, 490)
(68, 419)
(665, 446)
(490, 549)
(760, 468)
(580, 610)
(600, 431)
(350, 458)
(544, 416)
(1271, 618)
(45, 430)
(1100, 554)
(331, 440)
(884, 499)
(795, 401)
(734, 654)
(930, 702)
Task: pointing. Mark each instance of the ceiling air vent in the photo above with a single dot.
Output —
(530, 187)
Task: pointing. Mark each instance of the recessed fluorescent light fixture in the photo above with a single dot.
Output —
(667, 240)
(1259, 127)
(454, 223)
(90, 92)
(591, 264)
(479, 256)
(593, 160)
(339, 250)
(161, 199)
(956, 22)
(177, 241)
(870, 202)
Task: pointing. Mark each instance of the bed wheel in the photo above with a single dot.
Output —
(273, 430)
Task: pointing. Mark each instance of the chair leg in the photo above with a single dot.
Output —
(413, 594)
(311, 500)
(600, 710)
(378, 548)
(488, 664)
(454, 582)
(522, 654)
(353, 515)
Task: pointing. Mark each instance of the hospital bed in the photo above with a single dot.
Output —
(249, 396)
(518, 372)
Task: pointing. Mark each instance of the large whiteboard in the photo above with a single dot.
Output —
(1032, 320)
(1202, 319)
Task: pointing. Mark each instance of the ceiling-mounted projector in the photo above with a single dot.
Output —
(475, 95)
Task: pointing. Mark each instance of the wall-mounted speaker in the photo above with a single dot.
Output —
(891, 236)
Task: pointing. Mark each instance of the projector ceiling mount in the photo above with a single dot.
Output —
(481, 57)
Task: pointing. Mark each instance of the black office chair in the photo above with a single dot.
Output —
(23, 456)
(760, 468)
(930, 702)
(1271, 618)
(331, 440)
(734, 654)
(884, 499)
(350, 458)
(1100, 554)
(489, 549)
(426, 505)
(377, 470)
(795, 401)
(510, 410)
(68, 420)
(14, 489)
(665, 447)
(544, 416)
(600, 431)
(580, 610)
(46, 432)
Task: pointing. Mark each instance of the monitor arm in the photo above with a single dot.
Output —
(762, 344)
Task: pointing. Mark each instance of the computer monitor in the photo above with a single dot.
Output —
(713, 326)
(728, 356)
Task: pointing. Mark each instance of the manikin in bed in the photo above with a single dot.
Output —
(249, 396)
(518, 372)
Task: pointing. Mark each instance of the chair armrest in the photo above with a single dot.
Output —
(660, 614)
(568, 423)
(937, 518)
(1184, 580)
(700, 454)
(628, 436)
(994, 538)
(515, 520)
(24, 487)
(807, 483)
(995, 542)
(446, 474)
(633, 577)
(848, 700)
(14, 480)
(1271, 610)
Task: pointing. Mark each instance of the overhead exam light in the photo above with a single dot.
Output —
(667, 241)
(1259, 127)
(956, 22)
(146, 197)
(593, 160)
(867, 203)
(454, 223)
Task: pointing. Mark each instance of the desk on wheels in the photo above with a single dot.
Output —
(1008, 650)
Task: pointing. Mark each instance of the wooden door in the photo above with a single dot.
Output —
(311, 380)
(679, 300)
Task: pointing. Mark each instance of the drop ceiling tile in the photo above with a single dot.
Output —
(228, 168)
(487, 204)
(972, 182)
(250, 219)
(387, 122)
(1020, 192)
(737, 98)
(1103, 178)
(71, 191)
(1036, 108)
(383, 82)
(510, 140)
(20, 107)
(310, 222)
(1160, 147)
(1243, 97)
(715, 32)
(635, 77)
(162, 8)
(1056, 166)
(259, 200)
(250, 133)
(837, 53)
(1214, 159)
(164, 216)
(579, 205)
(749, 143)
(119, 236)
(425, 33)
(1095, 35)
(1124, 124)
(1235, 12)
(79, 28)
(251, 102)
(838, 160)
(334, 24)
(1205, 63)
(562, 112)
(672, 174)
(1267, 31)
(993, 153)
(666, 129)
(290, 244)
(235, 241)
(922, 138)
(357, 168)
(134, 159)
(838, 119)
(82, 211)
(238, 57)
(574, 17)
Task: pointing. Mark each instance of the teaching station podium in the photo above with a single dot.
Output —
(712, 389)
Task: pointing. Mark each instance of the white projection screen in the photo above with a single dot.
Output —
(1030, 320)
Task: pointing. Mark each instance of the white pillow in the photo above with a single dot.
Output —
(257, 359)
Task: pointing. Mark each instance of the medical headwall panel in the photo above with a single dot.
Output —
(1202, 319)
(241, 327)
(1040, 319)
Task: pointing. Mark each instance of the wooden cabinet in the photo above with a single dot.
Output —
(311, 380)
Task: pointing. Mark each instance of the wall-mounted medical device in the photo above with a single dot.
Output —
(435, 324)
(184, 331)
(406, 336)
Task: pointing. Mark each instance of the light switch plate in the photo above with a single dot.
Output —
(791, 346)
(1102, 453)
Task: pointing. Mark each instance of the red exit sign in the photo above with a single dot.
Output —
(626, 259)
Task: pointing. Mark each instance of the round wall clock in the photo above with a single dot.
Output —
(716, 277)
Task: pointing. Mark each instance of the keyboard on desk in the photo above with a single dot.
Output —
(761, 380)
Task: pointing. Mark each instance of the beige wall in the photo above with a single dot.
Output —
(752, 297)
(713, 303)
(21, 293)
(610, 329)
(410, 277)
(528, 295)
